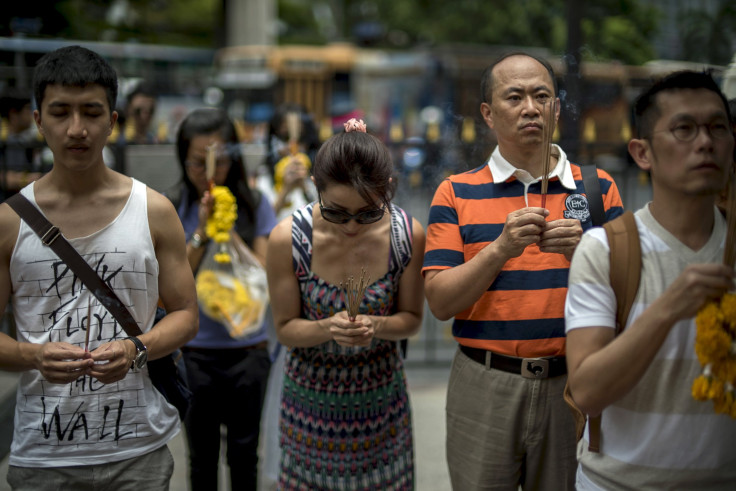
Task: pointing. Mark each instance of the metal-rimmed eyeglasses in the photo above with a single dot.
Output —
(688, 129)
(334, 215)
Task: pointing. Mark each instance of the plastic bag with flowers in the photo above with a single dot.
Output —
(231, 283)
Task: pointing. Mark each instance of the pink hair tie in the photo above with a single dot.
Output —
(355, 125)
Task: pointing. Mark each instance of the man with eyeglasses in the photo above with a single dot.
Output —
(654, 435)
(496, 260)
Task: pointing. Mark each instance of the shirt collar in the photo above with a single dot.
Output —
(502, 170)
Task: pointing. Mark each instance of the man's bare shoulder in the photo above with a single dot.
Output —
(159, 206)
(163, 220)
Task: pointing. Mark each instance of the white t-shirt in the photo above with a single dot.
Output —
(295, 200)
(656, 436)
(87, 422)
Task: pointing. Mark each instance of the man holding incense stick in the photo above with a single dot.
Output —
(497, 261)
(90, 419)
(653, 433)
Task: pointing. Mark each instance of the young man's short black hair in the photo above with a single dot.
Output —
(74, 66)
(646, 111)
(486, 80)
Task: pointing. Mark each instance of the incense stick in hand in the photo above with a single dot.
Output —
(355, 292)
(210, 164)
(729, 253)
(293, 126)
(89, 323)
(548, 121)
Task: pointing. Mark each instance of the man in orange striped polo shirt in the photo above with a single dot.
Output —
(497, 261)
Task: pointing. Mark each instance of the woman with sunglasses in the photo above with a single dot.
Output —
(345, 414)
(227, 376)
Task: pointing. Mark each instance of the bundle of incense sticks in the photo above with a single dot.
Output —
(293, 128)
(354, 291)
(210, 164)
(729, 253)
(548, 129)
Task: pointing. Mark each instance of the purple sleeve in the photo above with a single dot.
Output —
(265, 217)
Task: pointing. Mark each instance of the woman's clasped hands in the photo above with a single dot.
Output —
(351, 333)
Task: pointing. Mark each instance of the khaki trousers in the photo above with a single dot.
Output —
(506, 431)
(148, 472)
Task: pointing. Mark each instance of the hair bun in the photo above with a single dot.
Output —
(355, 125)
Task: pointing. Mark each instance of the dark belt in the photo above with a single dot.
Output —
(526, 367)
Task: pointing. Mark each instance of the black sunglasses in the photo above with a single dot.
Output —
(333, 215)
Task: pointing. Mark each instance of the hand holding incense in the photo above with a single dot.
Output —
(548, 129)
(355, 290)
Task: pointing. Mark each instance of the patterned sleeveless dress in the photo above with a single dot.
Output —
(345, 415)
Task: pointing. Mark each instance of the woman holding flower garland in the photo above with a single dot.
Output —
(227, 376)
(345, 417)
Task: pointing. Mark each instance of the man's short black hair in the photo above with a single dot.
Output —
(74, 66)
(646, 111)
(486, 80)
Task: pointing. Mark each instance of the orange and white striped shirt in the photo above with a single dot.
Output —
(522, 313)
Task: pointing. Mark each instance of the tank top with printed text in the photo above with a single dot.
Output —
(86, 422)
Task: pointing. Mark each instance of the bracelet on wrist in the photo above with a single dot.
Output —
(197, 240)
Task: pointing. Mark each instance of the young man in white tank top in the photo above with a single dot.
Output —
(86, 418)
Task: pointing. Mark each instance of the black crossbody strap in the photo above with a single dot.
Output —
(51, 237)
(593, 190)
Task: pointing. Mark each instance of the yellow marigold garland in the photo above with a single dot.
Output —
(716, 350)
(221, 221)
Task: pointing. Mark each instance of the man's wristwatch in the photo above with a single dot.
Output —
(141, 356)
(197, 241)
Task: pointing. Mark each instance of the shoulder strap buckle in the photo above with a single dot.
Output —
(50, 235)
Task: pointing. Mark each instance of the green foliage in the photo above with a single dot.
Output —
(612, 29)
(708, 37)
(179, 22)
(298, 23)
(616, 38)
(522, 22)
(620, 30)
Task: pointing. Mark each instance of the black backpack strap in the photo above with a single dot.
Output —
(51, 236)
(593, 191)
